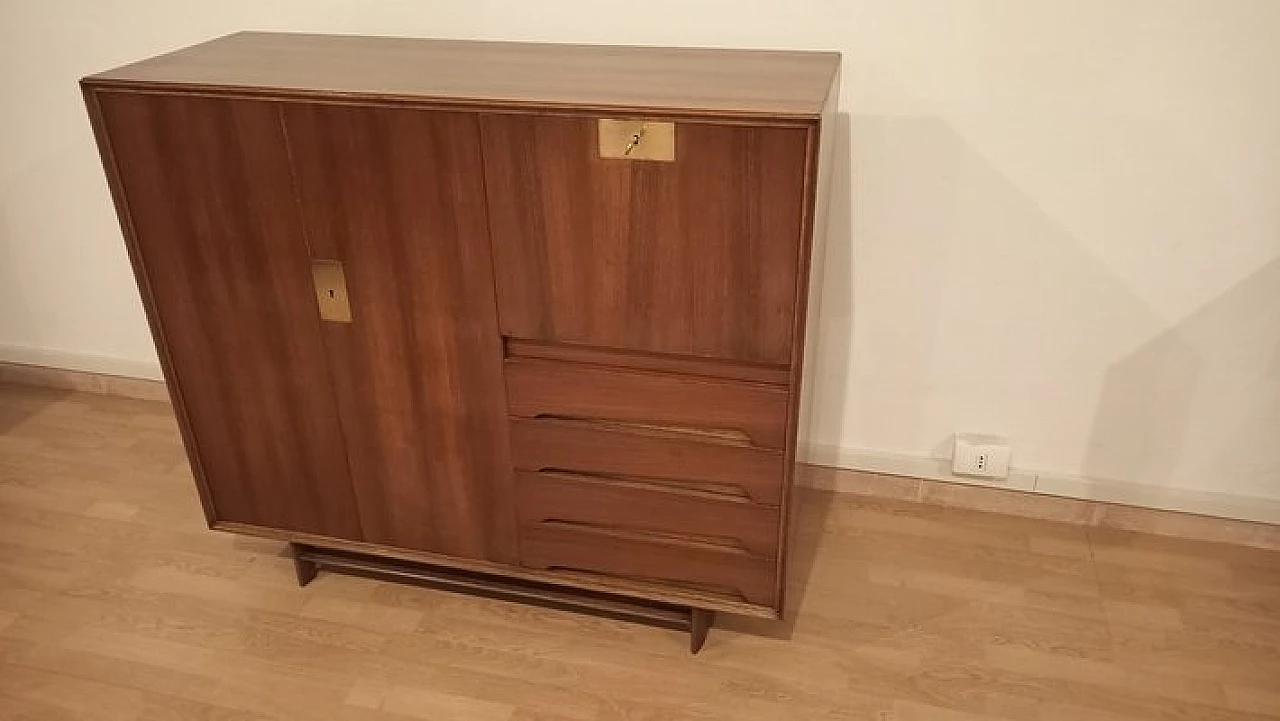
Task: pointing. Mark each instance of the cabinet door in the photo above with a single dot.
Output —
(699, 256)
(397, 195)
(223, 266)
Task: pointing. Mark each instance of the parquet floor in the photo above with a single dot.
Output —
(116, 603)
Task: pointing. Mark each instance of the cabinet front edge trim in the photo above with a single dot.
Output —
(709, 115)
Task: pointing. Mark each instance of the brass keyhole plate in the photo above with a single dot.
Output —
(637, 139)
(331, 290)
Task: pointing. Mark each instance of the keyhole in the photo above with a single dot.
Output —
(331, 295)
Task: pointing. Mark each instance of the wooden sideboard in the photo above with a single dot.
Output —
(508, 313)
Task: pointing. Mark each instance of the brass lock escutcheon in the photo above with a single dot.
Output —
(637, 139)
(331, 290)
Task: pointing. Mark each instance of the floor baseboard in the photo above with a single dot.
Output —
(59, 360)
(75, 380)
(911, 481)
(1108, 491)
(1030, 504)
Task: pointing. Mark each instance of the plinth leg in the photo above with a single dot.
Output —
(306, 570)
(702, 621)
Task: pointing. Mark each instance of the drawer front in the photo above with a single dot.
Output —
(756, 412)
(700, 256)
(568, 547)
(596, 448)
(628, 505)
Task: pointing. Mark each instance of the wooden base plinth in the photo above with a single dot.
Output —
(306, 570)
(308, 560)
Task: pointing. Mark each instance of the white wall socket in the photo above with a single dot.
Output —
(980, 455)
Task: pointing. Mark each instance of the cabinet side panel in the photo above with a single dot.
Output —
(206, 185)
(397, 195)
(818, 198)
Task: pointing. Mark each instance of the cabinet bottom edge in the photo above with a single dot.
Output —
(679, 597)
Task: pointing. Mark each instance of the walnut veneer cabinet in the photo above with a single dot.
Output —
(526, 317)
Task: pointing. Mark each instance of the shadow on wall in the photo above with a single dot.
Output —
(1220, 363)
(15, 315)
(1144, 410)
(909, 174)
(829, 344)
(977, 310)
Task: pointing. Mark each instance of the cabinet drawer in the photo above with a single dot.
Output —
(545, 444)
(569, 547)
(638, 506)
(754, 411)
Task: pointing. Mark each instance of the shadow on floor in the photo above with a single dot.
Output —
(808, 522)
(18, 402)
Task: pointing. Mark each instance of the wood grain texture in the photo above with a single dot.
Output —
(216, 232)
(696, 257)
(523, 75)
(584, 548)
(559, 445)
(631, 505)
(397, 195)
(665, 362)
(115, 184)
(116, 603)
(578, 390)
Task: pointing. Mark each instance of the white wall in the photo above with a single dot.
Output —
(1061, 221)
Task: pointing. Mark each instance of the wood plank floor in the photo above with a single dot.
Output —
(116, 603)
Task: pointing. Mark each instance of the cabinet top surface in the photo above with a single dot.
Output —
(729, 82)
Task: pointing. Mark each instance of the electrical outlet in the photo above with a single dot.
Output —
(980, 455)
